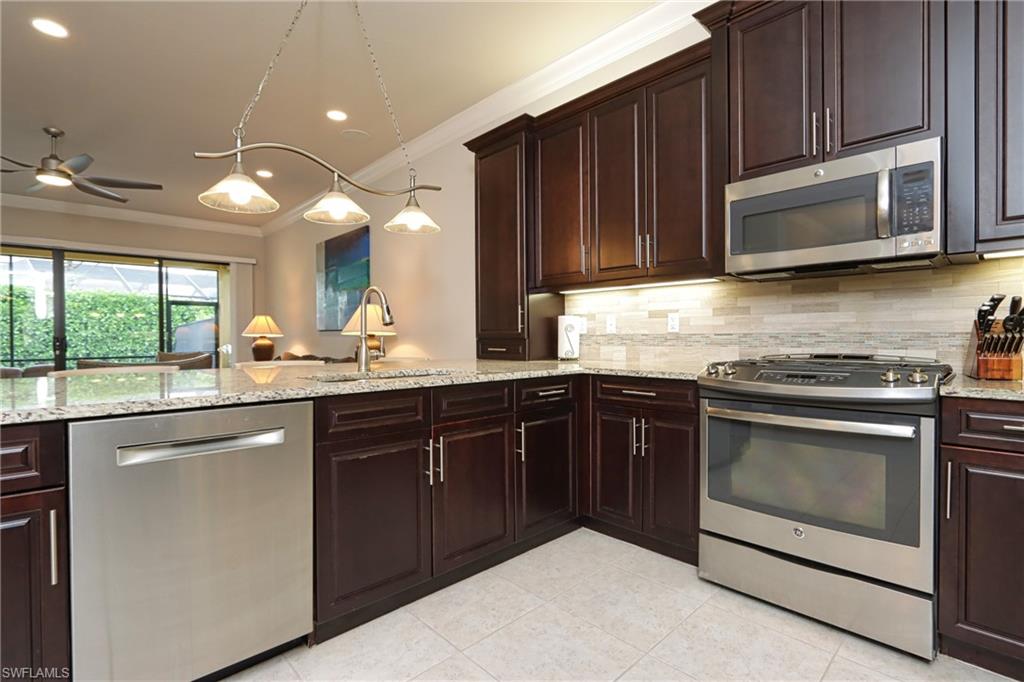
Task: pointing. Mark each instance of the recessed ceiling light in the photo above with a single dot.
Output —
(49, 27)
(337, 115)
(264, 173)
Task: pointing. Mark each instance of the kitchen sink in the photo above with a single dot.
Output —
(379, 374)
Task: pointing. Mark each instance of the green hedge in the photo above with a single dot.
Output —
(99, 323)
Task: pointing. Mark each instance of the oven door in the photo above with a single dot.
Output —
(850, 489)
(830, 213)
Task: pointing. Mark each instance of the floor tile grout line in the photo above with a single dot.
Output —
(827, 667)
(773, 630)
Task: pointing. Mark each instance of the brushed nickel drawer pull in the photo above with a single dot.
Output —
(497, 350)
(632, 435)
(430, 462)
(554, 391)
(643, 437)
(53, 546)
(1011, 427)
(440, 454)
(646, 394)
(522, 441)
(949, 485)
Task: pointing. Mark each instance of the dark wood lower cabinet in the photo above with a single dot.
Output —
(545, 469)
(373, 520)
(616, 474)
(981, 555)
(671, 470)
(473, 496)
(34, 583)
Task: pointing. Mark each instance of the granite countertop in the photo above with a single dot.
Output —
(103, 395)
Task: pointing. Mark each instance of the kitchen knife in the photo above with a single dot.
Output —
(1014, 322)
(994, 302)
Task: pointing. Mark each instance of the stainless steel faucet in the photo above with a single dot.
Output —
(363, 353)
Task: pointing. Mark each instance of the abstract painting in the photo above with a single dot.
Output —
(342, 275)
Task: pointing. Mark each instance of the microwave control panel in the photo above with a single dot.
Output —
(914, 200)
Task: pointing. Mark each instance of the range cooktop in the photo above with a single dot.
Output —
(870, 378)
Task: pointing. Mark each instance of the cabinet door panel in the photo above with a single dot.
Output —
(372, 521)
(678, 173)
(36, 624)
(1000, 120)
(982, 550)
(617, 188)
(884, 74)
(775, 89)
(671, 477)
(501, 240)
(546, 470)
(616, 476)
(562, 223)
(473, 492)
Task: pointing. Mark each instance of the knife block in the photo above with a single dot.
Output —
(981, 365)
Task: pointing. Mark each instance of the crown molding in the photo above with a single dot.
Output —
(115, 213)
(641, 30)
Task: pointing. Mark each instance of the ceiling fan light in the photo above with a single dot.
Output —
(54, 178)
(412, 220)
(336, 208)
(238, 193)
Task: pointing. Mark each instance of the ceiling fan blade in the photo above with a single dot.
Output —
(76, 164)
(89, 188)
(122, 183)
(16, 163)
(35, 188)
(19, 170)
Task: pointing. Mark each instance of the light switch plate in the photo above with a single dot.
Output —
(673, 322)
(609, 324)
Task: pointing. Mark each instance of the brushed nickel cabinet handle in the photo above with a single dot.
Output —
(53, 547)
(1011, 427)
(648, 249)
(632, 436)
(554, 391)
(430, 462)
(949, 485)
(814, 133)
(828, 130)
(522, 441)
(646, 394)
(520, 318)
(497, 350)
(440, 454)
(643, 437)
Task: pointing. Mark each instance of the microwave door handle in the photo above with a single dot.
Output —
(884, 205)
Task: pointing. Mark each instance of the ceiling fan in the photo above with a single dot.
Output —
(54, 171)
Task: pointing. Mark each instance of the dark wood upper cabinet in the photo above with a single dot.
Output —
(545, 469)
(683, 239)
(775, 89)
(616, 471)
(1000, 150)
(981, 553)
(501, 238)
(562, 222)
(618, 224)
(35, 625)
(473, 497)
(383, 480)
(671, 482)
(884, 74)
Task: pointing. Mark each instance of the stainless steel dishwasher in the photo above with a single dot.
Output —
(191, 539)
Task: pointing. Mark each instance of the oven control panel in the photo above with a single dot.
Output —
(802, 378)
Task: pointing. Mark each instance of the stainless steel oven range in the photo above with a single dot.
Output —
(818, 488)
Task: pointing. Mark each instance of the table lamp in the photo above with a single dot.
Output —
(262, 327)
(375, 329)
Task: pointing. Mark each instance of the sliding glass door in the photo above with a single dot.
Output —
(59, 307)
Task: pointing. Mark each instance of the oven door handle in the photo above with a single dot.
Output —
(863, 428)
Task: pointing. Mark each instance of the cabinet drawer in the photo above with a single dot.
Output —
(31, 456)
(546, 391)
(364, 414)
(501, 349)
(983, 424)
(467, 401)
(658, 393)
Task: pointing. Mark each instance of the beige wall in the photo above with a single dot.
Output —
(429, 280)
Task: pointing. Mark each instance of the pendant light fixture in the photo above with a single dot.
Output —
(336, 208)
(239, 193)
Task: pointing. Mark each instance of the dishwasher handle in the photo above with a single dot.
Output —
(157, 452)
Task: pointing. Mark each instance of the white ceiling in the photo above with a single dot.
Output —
(141, 85)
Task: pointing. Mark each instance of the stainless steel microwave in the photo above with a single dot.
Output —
(878, 206)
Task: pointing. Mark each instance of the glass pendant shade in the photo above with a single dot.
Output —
(336, 208)
(412, 220)
(238, 193)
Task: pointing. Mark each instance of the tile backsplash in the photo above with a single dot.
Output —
(925, 313)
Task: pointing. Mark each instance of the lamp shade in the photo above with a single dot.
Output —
(262, 325)
(238, 193)
(374, 323)
(412, 220)
(336, 208)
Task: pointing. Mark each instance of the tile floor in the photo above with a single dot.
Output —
(589, 607)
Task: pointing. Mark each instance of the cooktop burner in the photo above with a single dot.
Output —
(871, 378)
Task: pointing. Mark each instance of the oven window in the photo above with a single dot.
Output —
(867, 485)
(829, 214)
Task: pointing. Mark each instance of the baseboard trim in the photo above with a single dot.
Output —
(983, 658)
(633, 537)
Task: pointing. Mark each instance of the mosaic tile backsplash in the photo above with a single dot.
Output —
(924, 313)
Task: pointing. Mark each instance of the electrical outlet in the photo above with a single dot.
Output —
(673, 322)
(609, 324)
